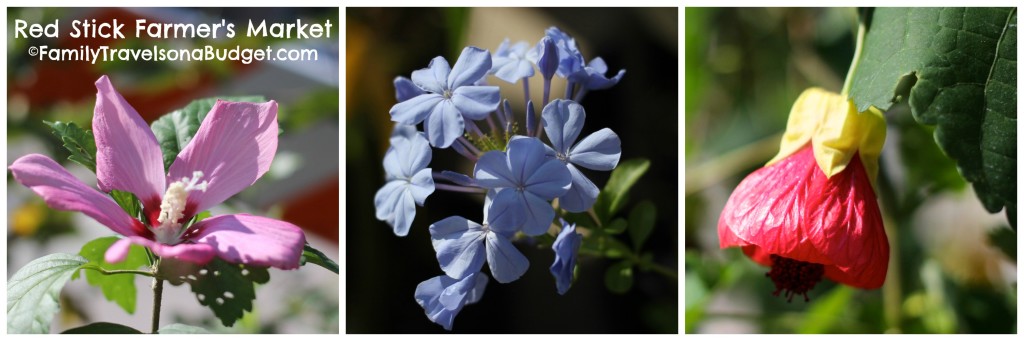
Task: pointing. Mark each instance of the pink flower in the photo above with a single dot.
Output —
(234, 147)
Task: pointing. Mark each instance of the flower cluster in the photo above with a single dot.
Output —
(521, 178)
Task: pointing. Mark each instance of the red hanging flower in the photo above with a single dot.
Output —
(812, 212)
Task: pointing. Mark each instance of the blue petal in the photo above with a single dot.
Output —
(421, 185)
(506, 262)
(393, 164)
(412, 155)
(434, 78)
(599, 151)
(477, 292)
(386, 199)
(507, 210)
(444, 124)
(581, 195)
(563, 121)
(476, 102)
(443, 297)
(513, 69)
(459, 244)
(525, 155)
(550, 180)
(598, 81)
(415, 110)
(598, 65)
(405, 89)
(538, 214)
(491, 170)
(405, 212)
(472, 65)
(403, 131)
(566, 245)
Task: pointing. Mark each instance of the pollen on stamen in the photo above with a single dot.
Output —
(793, 277)
(172, 206)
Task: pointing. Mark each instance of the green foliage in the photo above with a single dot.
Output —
(957, 69)
(128, 201)
(178, 328)
(33, 292)
(314, 256)
(616, 192)
(227, 289)
(79, 142)
(102, 328)
(617, 226)
(118, 288)
(619, 277)
(641, 222)
(174, 130)
(826, 311)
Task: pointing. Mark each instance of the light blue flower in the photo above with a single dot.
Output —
(510, 63)
(545, 55)
(409, 181)
(594, 78)
(405, 89)
(522, 181)
(563, 121)
(442, 297)
(450, 98)
(570, 60)
(462, 246)
(566, 245)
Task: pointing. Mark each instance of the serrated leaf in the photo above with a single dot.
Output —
(641, 222)
(227, 289)
(33, 292)
(119, 288)
(178, 328)
(314, 256)
(79, 142)
(619, 277)
(102, 328)
(613, 196)
(959, 65)
(174, 130)
(128, 201)
(616, 226)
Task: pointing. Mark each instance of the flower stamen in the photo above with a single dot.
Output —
(792, 277)
(172, 207)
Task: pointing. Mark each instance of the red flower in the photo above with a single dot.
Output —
(812, 212)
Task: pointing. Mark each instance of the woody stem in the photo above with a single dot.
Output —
(158, 292)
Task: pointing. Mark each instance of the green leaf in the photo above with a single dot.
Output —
(33, 292)
(614, 195)
(102, 328)
(619, 277)
(174, 130)
(178, 328)
(311, 255)
(79, 142)
(227, 289)
(826, 311)
(1005, 240)
(641, 222)
(957, 69)
(118, 288)
(616, 226)
(128, 201)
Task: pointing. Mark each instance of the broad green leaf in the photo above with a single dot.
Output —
(102, 328)
(79, 142)
(33, 292)
(174, 130)
(1005, 240)
(957, 68)
(178, 328)
(227, 289)
(641, 222)
(613, 196)
(311, 255)
(619, 277)
(826, 311)
(119, 288)
(616, 226)
(128, 201)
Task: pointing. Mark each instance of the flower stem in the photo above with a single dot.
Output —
(861, 30)
(547, 92)
(461, 189)
(579, 95)
(526, 89)
(568, 89)
(158, 293)
(117, 272)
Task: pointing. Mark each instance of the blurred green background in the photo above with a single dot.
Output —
(301, 186)
(383, 270)
(953, 265)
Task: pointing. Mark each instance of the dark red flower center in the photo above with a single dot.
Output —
(793, 277)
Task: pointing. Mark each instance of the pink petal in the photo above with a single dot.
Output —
(127, 154)
(233, 147)
(192, 253)
(253, 240)
(63, 191)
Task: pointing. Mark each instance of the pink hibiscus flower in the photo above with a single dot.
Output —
(234, 147)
